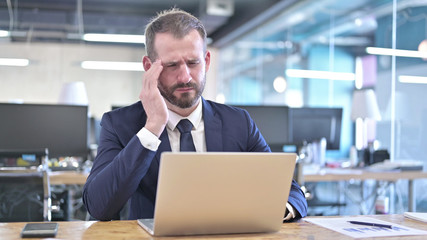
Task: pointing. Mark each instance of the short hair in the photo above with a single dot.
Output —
(175, 21)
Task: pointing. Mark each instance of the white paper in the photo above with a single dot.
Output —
(416, 215)
(342, 225)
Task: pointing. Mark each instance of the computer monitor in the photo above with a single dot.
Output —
(312, 124)
(272, 121)
(62, 129)
(114, 107)
(94, 130)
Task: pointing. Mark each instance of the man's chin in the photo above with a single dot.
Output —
(186, 104)
(183, 102)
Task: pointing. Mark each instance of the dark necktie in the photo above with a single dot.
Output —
(186, 140)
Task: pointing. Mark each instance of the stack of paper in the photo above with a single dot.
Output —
(343, 225)
(416, 215)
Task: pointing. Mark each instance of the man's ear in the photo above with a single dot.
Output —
(146, 62)
(207, 60)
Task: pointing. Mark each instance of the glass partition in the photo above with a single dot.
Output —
(319, 53)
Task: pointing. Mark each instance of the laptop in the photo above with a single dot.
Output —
(220, 193)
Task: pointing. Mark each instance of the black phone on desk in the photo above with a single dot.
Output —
(39, 230)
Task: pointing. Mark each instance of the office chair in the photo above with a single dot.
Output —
(309, 190)
(24, 189)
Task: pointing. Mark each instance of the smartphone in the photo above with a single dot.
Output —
(39, 230)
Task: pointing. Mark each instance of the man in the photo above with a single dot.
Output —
(132, 138)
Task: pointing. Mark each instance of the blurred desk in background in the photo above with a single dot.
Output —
(322, 175)
(67, 178)
(344, 174)
(67, 187)
(339, 174)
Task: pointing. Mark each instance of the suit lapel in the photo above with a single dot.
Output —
(213, 128)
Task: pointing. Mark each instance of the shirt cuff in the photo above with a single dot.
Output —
(291, 212)
(148, 139)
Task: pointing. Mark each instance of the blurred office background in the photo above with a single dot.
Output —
(317, 54)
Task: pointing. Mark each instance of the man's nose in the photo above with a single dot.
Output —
(184, 73)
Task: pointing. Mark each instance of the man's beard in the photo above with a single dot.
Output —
(185, 100)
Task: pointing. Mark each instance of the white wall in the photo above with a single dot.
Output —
(52, 64)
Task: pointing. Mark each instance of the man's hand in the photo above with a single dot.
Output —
(151, 99)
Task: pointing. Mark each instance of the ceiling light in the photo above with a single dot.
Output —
(15, 62)
(220, 98)
(423, 47)
(4, 33)
(118, 66)
(279, 84)
(358, 83)
(396, 52)
(298, 73)
(117, 38)
(358, 22)
(412, 79)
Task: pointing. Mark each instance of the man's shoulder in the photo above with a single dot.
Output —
(130, 107)
(133, 110)
(222, 108)
(224, 111)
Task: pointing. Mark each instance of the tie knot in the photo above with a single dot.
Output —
(184, 126)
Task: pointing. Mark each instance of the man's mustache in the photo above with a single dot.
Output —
(184, 85)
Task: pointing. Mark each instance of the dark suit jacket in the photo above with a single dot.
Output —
(124, 170)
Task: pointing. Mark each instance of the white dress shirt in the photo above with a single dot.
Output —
(198, 131)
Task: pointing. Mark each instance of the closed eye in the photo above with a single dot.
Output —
(171, 65)
(193, 63)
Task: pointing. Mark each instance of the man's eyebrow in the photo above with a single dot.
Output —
(169, 63)
(172, 62)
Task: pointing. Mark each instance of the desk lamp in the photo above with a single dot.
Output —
(73, 93)
(364, 109)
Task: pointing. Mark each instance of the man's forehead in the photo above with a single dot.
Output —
(193, 36)
(171, 49)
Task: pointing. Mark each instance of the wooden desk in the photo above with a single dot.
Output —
(349, 174)
(67, 177)
(131, 230)
(327, 175)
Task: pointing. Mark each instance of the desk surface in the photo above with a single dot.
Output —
(67, 177)
(79, 178)
(131, 230)
(348, 174)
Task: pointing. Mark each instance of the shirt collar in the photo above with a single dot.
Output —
(195, 117)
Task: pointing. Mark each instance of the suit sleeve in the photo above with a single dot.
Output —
(116, 173)
(297, 200)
